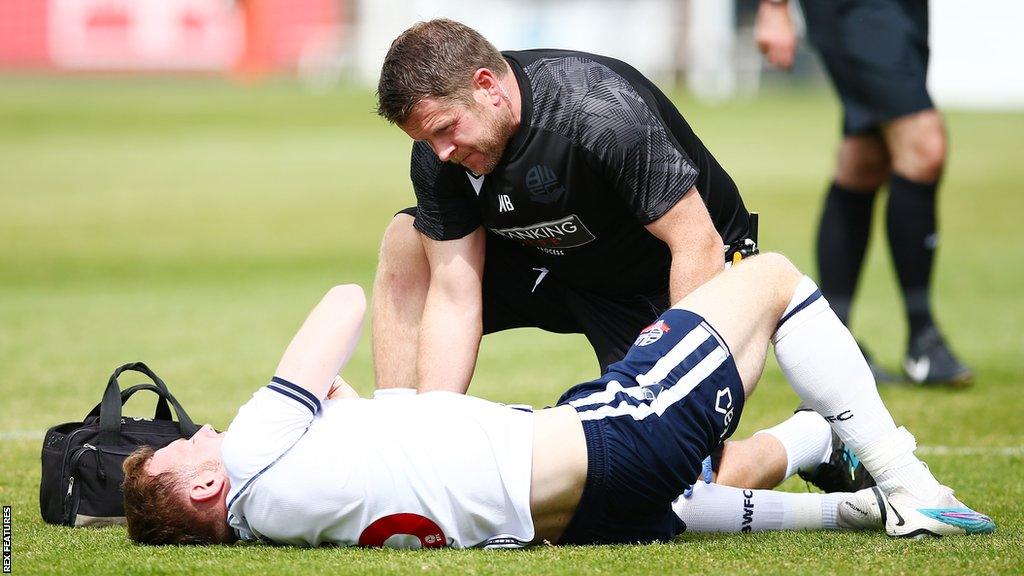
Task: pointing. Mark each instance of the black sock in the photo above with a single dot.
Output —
(910, 222)
(842, 242)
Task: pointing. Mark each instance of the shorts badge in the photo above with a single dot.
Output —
(652, 333)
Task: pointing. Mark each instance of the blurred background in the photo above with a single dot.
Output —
(706, 45)
(180, 180)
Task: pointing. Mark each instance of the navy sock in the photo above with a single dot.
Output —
(842, 242)
(910, 222)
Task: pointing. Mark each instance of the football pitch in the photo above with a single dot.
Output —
(192, 224)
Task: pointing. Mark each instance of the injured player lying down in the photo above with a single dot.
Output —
(300, 465)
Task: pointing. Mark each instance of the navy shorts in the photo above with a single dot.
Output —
(649, 421)
(876, 52)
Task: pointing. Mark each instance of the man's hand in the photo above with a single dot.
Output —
(341, 390)
(774, 33)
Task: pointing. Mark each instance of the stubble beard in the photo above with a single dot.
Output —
(499, 132)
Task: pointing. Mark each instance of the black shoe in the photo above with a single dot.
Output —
(882, 376)
(842, 473)
(930, 361)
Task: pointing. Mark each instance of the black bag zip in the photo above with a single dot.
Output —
(70, 502)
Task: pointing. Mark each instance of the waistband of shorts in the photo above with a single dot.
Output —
(593, 490)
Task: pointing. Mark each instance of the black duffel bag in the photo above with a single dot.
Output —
(81, 482)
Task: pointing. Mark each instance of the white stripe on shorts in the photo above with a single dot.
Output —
(668, 397)
(697, 336)
(656, 374)
(675, 356)
(608, 394)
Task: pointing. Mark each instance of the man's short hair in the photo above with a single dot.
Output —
(157, 510)
(434, 59)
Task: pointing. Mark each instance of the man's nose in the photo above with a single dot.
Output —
(445, 150)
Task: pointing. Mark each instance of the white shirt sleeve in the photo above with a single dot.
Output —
(266, 427)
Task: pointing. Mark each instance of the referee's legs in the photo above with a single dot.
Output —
(918, 145)
(862, 168)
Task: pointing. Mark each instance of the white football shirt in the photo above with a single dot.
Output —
(430, 470)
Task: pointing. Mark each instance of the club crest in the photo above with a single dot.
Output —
(652, 333)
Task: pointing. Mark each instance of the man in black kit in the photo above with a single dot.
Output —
(876, 52)
(555, 189)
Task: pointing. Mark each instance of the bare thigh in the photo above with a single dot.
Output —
(744, 304)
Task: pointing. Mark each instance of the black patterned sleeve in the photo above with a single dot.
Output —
(633, 149)
(444, 210)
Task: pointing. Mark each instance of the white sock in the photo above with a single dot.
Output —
(823, 364)
(807, 438)
(717, 508)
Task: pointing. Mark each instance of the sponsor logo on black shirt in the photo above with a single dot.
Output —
(551, 237)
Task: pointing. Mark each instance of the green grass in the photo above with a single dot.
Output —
(192, 224)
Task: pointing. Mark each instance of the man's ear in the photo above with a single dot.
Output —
(486, 82)
(205, 485)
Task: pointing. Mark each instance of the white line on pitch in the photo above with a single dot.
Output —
(971, 450)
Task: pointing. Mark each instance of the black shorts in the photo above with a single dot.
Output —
(876, 52)
(519, 293)
(649, 422)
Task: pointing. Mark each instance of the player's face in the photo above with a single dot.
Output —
(472, 135)
(202, 447)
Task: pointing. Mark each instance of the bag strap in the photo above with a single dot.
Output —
(163, 410)
(110, 407)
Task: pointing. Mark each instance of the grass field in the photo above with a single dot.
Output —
(192, 224)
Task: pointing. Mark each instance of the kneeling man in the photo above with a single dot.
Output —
(605, 465)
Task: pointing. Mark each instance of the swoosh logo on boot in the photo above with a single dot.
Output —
(918, 369)
(898, 516)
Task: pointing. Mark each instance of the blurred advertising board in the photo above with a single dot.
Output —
(153, 35)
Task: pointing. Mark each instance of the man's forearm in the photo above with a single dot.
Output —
(449, 340)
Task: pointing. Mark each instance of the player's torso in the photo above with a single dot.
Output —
(413, 475)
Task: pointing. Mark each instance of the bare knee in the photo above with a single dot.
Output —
(918, 144)
(930, 154)
(777, 276)
(778, 267)
(864, 163)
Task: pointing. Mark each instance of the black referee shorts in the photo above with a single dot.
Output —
(519, 293)
(876, 52)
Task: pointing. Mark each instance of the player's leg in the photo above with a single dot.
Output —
(743, 305)
(718, 508)
(803, 444)
(399, 292)
(760, 461)
(918, 145)
(821, 360)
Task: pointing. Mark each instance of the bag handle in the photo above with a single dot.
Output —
(163, 410)
(110, 407)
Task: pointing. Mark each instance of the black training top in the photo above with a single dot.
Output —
(599, 153)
